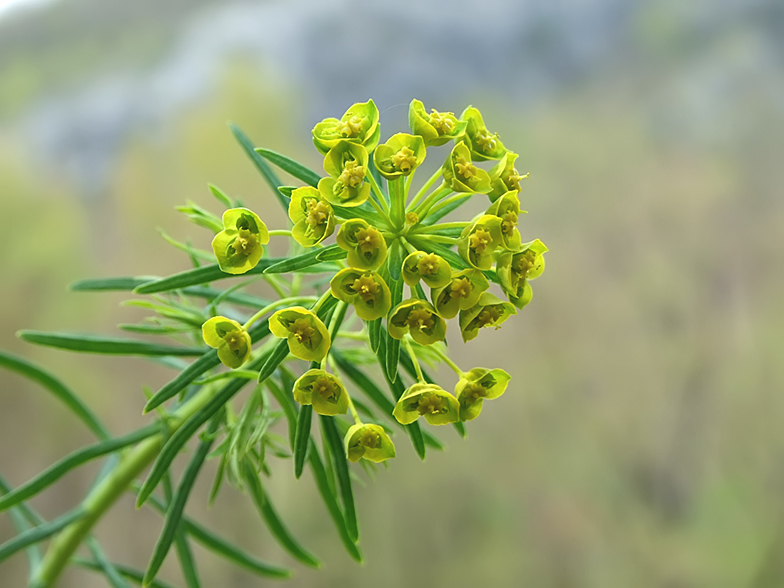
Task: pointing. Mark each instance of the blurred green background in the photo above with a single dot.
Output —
(642, 441)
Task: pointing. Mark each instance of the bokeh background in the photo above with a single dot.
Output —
(643, 440)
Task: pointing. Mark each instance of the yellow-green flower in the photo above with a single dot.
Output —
(346, 163)
(484, 144)
(462, 175)
(437, 405)
(365, 289)
(507, 208)
(420, 319)
(370, 442)
(505, 177)
(358, 125)
(399, 156)
(476, 386)
(461, 293)
(308, 337)
(312, 215)
(324, 391)
(432, 269)
(488, 312)
(516, 269)
(435, 128)
(479, 240)
(229, 338)
(366, 246)
(238, 247)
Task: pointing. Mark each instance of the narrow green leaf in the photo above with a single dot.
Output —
(22, 525)
(56, 387)
(286, 190)
(442, 212)
(220, 195)
(185, 557)
(202, 365)
(290, 166)
(53, 473)
(178, 501)
(341, 469)
(320, 475)
(36, 534)
(395, 262)
(286, 402)
(377, 176)
(301, 438)
(132, 574)
(104, 345)
(266, 171)
(392, 352)
(274, 524)
(374, 333)
(306, 260)
(113, 576)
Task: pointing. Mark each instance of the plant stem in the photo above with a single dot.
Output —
(425, 188)
(274, 305)
(414, 360)
(445, 358)
(431, 228)
(407, 245)
(279, 233)
(446, 202)
(108, 490)
(424, 208)
(377, 191)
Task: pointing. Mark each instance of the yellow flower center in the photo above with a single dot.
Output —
(369, 438)
(508, 222)
(235, 341)
(404, 159)
(474, 391)
(460, 288)
(487, 316)
(353, 174)
(513, 179)
(366, 287)
(420, 318)
(485, 141)
(369, 239)
(351, 127)
(523, 263)
(326, 388)
(428, 265)
(431, 403)
(302, 330)
(442, 122)
(245, 242)
(480, 240)
(465, 168)
(317, 212)
(412, 218)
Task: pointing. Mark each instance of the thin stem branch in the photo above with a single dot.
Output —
(423, 190)
(414, 360)
(445, 358)
(274, 305)
(377, 191)
(279, 233)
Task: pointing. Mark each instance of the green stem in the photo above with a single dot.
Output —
(379, 194)
(275, 283)
(380, 210)
(398, 199)
(414, 360)
(274, 305)
(279, 233)
(447, 202)
(424, 208)
(445, 358)
(425, 188)
(407, 245)
(432, 228)
(441, 239)
(353, 409)
(321, 301)
(108, 490)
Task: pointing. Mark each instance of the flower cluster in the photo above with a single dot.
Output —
(389, 236)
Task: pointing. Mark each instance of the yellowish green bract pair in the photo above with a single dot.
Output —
(390, 236)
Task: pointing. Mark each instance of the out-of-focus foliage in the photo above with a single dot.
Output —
(640, 437)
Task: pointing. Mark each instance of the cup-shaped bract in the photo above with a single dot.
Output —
(365, 289)
(358, 125)
(230, 339)
(516, 269)
(505, 177)
(479, 240)
(488, 312)
(324, 391)
(435, 128)
(462, 175)
(370, 442)
(484, 145)
(347, 165)
(307, 336)
(366, 246)
(312, 215)
(420, 319)
(437, 405)
(507, 208)
(432, 269)
(238, 247)
(399, 156)
(476, 386)
(461, 293)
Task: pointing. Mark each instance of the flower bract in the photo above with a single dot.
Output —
(312, 215)
(479, 240)
(229, 338)
(346, 163)
(365, 289)
(484, 145)
(366, 246)
(399, 156)
(488, 312)
(437, 405)
(505, 177)
(307, 336)
(435, 128)
(432, 269)
(324, 391)
(476, 386)
(238, 247)
(462, 175)
(461, 293)
(370, 442)
(516, 269)
(420, 319)
(507, 208)
(358, 125)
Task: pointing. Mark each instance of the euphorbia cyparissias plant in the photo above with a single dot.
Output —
(360, 235)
